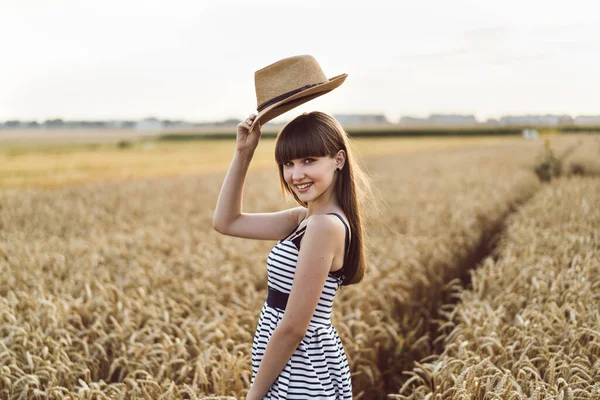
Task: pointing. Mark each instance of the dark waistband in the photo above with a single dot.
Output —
(277, 299)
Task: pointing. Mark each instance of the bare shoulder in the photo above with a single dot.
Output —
(325, 226)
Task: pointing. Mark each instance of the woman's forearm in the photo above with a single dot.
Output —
(279, 350)
(229, 204)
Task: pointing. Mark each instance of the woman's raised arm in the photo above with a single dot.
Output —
(229, 203)
(229, 218)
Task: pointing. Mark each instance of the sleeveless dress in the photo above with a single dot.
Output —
(318, 369)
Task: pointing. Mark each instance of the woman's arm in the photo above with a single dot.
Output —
(228, 218)
(279, 350)
(229, 203)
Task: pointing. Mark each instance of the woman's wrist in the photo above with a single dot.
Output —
(244, 155)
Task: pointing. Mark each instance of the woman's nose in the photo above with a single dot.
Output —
(297, 173)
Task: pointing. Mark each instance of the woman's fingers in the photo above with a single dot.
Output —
(248, 122)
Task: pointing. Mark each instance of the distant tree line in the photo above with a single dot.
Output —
(60, 123)
(434, 120)
(57, 123)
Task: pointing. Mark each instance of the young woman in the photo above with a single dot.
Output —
(296, 352)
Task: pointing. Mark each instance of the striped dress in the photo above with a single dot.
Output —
(318, 369)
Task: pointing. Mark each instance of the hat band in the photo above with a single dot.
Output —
(284, 96)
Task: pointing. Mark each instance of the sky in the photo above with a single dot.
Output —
(195, 60)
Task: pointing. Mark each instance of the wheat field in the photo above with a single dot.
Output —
(52, 164)
(529, 326)
(121, 289)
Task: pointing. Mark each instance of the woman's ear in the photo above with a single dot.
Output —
(340, 158)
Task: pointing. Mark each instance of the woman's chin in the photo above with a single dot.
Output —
(304, 192)
(304, 196)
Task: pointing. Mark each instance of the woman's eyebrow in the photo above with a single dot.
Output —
(301, 158)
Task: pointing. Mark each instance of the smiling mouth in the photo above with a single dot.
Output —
(303, 187)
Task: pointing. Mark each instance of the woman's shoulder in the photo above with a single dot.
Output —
(326, 224)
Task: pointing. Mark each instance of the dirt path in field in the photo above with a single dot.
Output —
(438, 327)
(442, 306)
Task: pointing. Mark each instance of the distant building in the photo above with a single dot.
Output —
(15, 124)
(440, 119)
(114, 124)
(53, 123)
(565, 120)
(359, 119)
(587, 120)
(536, 120)
(149, 125)
(228, 122)
(225, 122)
(180, 124)
(413, 121)
(452, 119)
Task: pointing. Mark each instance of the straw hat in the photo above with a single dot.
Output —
(288, 83)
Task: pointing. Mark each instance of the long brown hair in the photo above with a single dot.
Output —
(317, 134)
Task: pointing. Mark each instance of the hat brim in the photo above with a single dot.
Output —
(275, 110)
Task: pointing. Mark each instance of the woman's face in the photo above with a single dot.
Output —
(310, 177)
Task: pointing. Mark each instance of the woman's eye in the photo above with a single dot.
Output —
(306, 161)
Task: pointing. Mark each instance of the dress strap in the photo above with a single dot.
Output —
(347, 233)
(294, 231)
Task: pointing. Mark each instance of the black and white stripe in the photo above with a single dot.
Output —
(318, 369)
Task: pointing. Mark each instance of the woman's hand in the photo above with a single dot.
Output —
(252, 396)
(246, 140)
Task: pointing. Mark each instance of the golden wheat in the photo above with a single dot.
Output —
(123, 290)
(530, 327)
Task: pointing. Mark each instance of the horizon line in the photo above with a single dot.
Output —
(339, 115)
